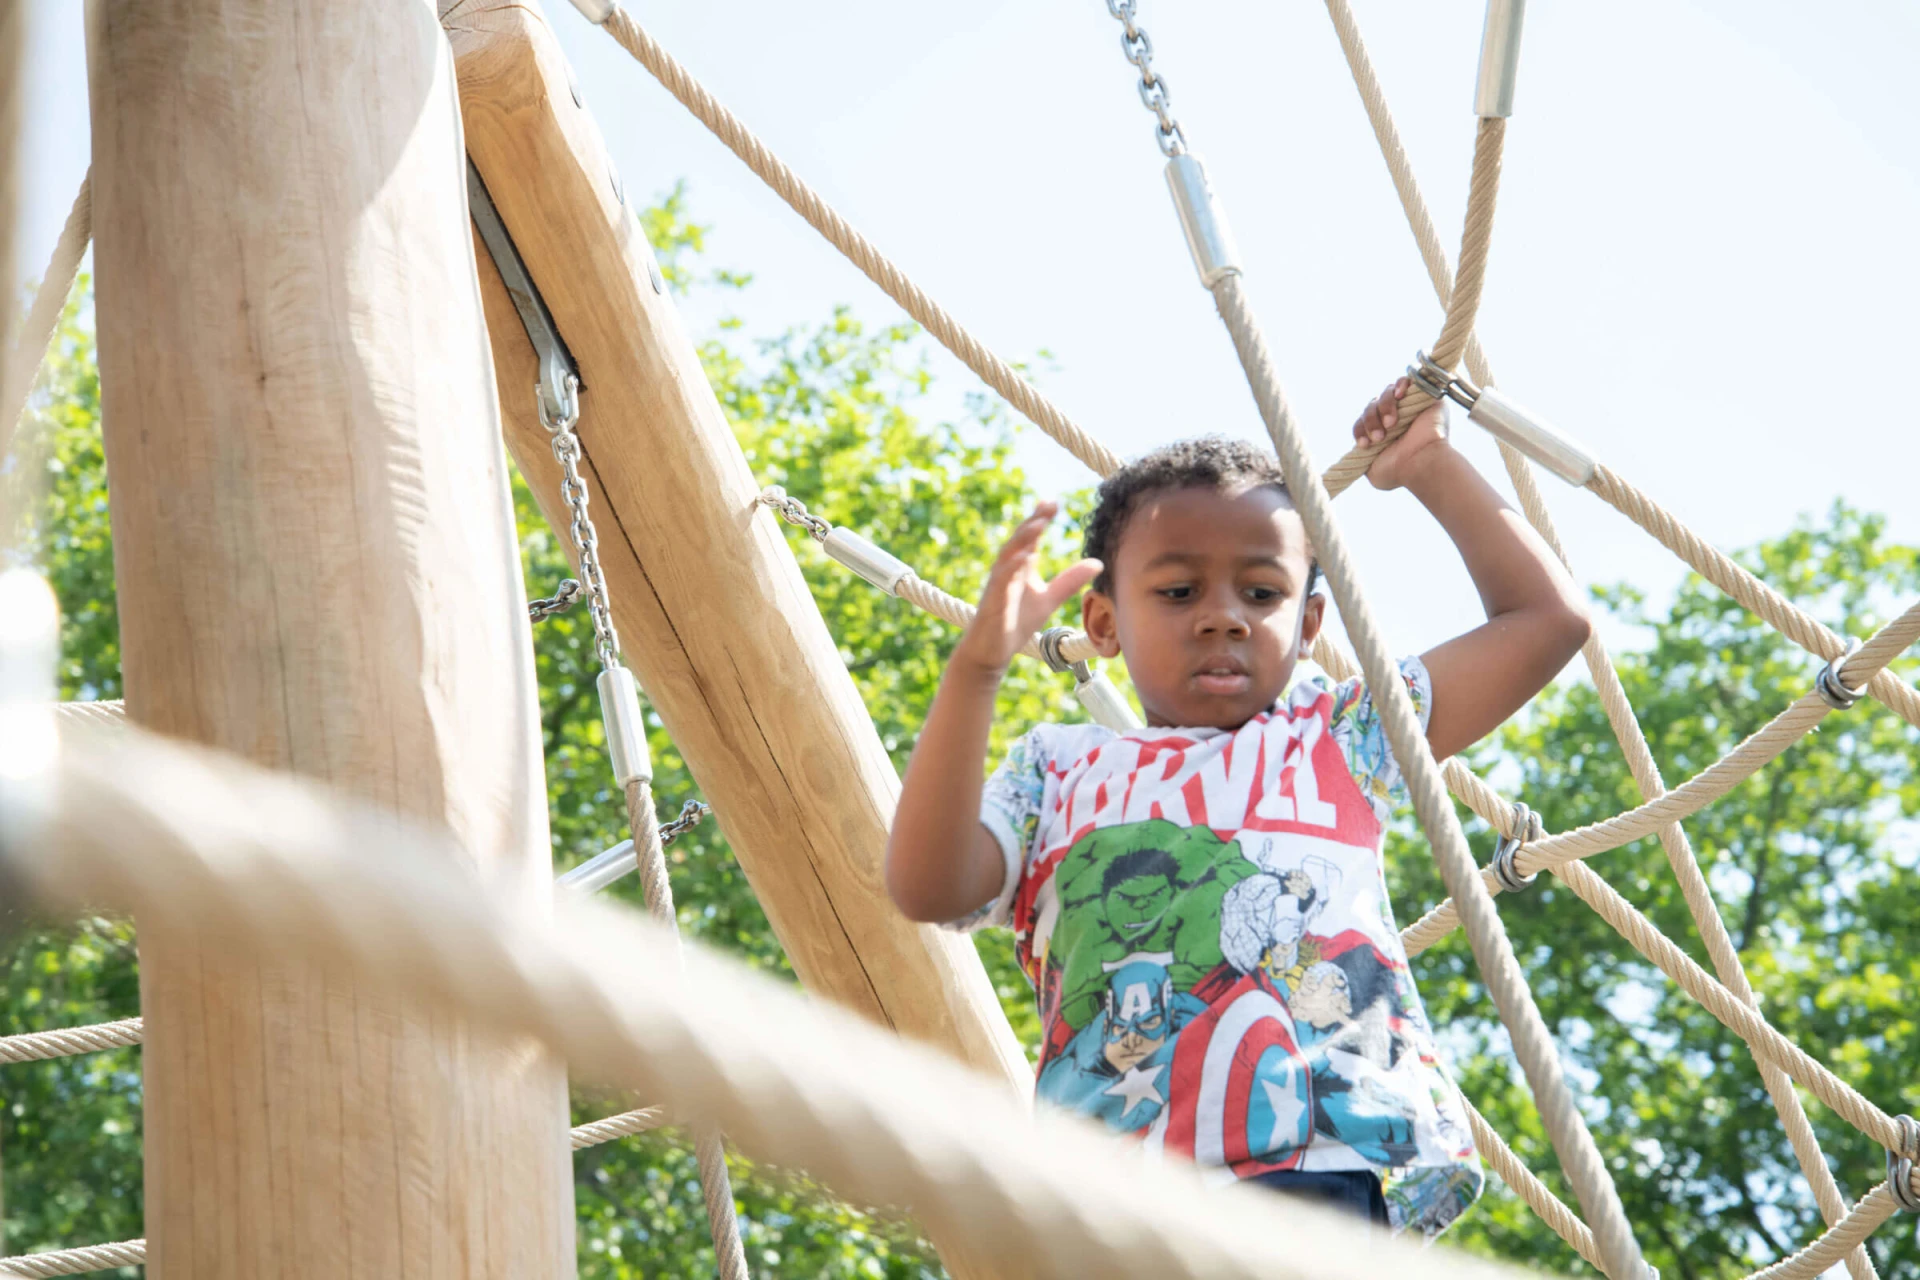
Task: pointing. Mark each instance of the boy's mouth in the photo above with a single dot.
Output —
(1223, 677)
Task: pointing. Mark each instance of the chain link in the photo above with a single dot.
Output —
(573, 491)
(564, 597)
(1155, 94)
(690, 815)
(794, 512)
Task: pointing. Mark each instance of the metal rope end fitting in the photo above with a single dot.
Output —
(881, 568)
(1499, 58)
(1900, 1164)
(1832, 689)
(29, 737)
(1214, 255)
(1506, 852)
(626, 730)
(595, 11)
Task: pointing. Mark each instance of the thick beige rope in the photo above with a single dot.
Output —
(1550, 1209)
(56, 286)
(624, 1125)
(1532, 1044)
(1842, 1240)
(39, 1046)
(857, 249)
(716, 1185)
(1739, 1017)
(1613, 698)
(1772, 607)
(73, 1262)
(1558, 851)
(133, 1253)
(253, 859)
(992, 370)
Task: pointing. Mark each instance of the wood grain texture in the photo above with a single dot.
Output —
(317, 569)
(715, 618)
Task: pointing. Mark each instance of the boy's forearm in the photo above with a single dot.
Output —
(1511, 565)
(935, 865)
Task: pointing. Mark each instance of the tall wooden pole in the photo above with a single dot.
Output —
(316, 568)
(715, 618)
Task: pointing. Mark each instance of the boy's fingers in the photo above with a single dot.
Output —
(1026, 535)
(1069, 581)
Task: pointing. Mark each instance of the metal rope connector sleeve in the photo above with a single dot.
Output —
(880, 567)
(1499, 59)
(1832, 689)
(29, 736)
(1506, 851)
(1215, 256)
(1900, 1164)
(626, 730)
(1505, 420)
(596, 11)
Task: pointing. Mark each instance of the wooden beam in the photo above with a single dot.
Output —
(317, 569)
(713, 613)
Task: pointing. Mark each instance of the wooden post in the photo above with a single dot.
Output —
(317, 569)
(714, 616)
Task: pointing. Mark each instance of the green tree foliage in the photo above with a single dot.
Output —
(1813, 864)
(1813, 859)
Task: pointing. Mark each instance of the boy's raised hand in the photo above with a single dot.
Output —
(1401, 460)
(1017, 601)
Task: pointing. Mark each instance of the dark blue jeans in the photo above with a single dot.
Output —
(1354, 1191)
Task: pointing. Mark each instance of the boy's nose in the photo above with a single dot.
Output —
(1222, 620)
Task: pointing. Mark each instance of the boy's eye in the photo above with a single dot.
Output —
(1262, 595)
(1177, 593)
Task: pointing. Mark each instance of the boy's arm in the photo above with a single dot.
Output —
(941, 861)
(1536, 618)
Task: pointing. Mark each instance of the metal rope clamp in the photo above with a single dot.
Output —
(1900, 1164)
(1105, 703)
(1049, 642)
(1506, 852)
(1504, 420)
(1832, 689)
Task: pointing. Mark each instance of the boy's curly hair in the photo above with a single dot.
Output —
(1207, 462)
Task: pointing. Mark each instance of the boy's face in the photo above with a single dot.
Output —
(1207, 604)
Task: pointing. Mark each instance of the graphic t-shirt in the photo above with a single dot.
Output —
(1204, 918)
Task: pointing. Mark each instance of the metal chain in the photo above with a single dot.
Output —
(564, 597)
(690, 817)
(794, 512)
(1154, 93)
(560, 421)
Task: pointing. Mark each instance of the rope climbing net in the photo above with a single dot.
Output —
(877, 1141)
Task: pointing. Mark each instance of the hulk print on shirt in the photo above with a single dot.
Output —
(1145, 887)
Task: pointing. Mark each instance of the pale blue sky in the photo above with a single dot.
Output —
(1702, 267)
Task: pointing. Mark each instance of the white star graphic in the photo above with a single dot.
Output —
(1136, 1087)
(1287, 1108)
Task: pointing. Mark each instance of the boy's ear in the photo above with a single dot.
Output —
(1312, 614)
(1096, 619)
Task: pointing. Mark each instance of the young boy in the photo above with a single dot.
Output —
(1201, 905)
